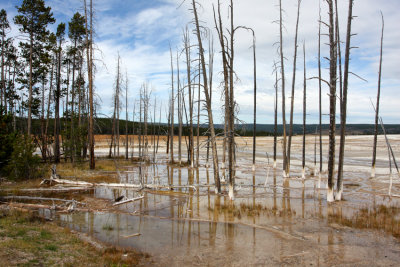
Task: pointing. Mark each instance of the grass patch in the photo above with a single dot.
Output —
(380, 217)
(27, 240)
(50, 247)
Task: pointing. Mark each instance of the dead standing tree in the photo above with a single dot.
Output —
(293, 87)
(320, 99)
(126, 117)
(304, 112)
(221, 37)
(332, 99)
(255, 100)
(208, 100)
(171, 142)
(186, 41)
(275, 113)
(282, 63)
(89, 56)
(343, 112)
(377, 103)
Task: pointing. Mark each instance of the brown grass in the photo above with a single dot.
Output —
(380, 217)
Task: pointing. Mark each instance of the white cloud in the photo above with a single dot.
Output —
(142, 36)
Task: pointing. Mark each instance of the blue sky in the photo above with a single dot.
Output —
(141, 31)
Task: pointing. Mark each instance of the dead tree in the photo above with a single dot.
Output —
(255, 101)
(171, 143)
(231, 121)
(343, 112)
(293, 86)
(332, 100)
(198, 116)
(126, 117)
(275, 113)
(221, 37)
(285, 172)
(208, 100)
(320, 98)
(189, 85)
(377, 103)
(179, 111)
(89, 55)
(304, 112)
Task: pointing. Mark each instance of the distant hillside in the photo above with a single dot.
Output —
(351, 129)
(104, 125)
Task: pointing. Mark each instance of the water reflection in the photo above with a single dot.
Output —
(286, 221)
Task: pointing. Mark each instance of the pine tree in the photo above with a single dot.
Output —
(33, 20)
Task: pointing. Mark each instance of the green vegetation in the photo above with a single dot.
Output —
(27, 240)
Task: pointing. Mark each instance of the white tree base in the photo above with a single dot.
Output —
(253, 168)
(231, 194)
(319, 181)
(339, 195)
(373, 172)
(329, 195)
(303, 174)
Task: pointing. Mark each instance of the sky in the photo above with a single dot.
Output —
(142, 32)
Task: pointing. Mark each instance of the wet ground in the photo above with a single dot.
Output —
(272, 221)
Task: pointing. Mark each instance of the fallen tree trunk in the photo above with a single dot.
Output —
(127, 200)
(43, 198)
(145, 186)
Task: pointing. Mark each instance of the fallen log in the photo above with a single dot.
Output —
(53, 180)
(82, 183)
(58, 190)
(127, 200)
(41, 206)
(132, 235)
(43, 198)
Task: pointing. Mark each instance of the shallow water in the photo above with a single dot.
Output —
(271, 221)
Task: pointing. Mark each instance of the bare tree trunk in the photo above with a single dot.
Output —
(284, 156)
(210, 75)
(89, 55)
(332, 97)
(198, 119)
(377, 103)
(208, 102)
(172, 111)
(117, 93)
(126, 117)
(293, 86)
(275, 115)
(30, 86)
(57, 108)
(221, 37)
(320, 99)
(112, 133)
(231, 121)
(48, 113)
(169, 128)
(73, 152)
(343, 112)
(188, 69)
(304, 113)
(255, 102)
(179, 112)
